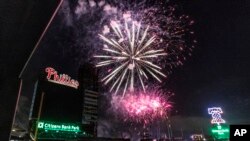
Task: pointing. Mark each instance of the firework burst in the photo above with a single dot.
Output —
(142, 107)
(84, 20)
(142, 44)
(132, 50)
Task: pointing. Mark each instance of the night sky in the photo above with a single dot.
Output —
(217, 74)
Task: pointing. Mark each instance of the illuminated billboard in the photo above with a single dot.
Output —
(62, 79)
(219, 129)
(49, 126)
(216, 115)
(56, 110)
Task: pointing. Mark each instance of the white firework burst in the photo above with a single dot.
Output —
(130, 53)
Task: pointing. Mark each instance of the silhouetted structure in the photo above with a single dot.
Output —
(55, 112)
(88, 79)
(21, 24)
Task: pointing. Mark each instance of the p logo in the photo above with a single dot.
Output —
(239, 132)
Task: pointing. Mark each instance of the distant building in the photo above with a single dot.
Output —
(88, 79)
(90, 107)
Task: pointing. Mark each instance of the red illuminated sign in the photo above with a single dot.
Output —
(62, 79)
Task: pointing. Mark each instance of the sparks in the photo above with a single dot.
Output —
(142, 107)
(130, 50)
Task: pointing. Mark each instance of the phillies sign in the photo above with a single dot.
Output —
(216, 115)
(62, 79)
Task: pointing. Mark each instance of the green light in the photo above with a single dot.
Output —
(48, 126)
(221, 132)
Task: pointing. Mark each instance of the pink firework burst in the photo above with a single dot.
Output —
(141, 107)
